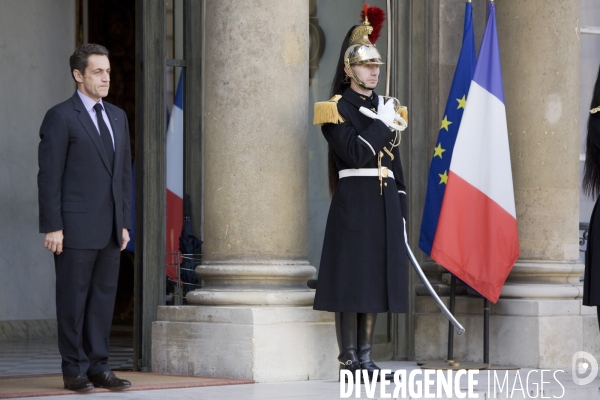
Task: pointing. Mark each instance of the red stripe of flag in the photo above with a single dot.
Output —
(475, 230)
(174, 224)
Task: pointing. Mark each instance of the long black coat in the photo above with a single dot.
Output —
(591, 283)
(363, 263)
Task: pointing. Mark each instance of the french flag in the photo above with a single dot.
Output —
(477, 237)
(175, 176)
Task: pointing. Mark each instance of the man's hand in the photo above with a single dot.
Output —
(125, 239)
(53, 241)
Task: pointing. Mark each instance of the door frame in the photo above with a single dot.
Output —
(150, 225)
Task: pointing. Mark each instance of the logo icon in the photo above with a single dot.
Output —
(584, 363)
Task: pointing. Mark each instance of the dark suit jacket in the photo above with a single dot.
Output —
(78, 191)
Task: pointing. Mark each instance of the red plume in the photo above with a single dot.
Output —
(376, 18)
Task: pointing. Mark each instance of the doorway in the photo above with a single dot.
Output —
(111, 23)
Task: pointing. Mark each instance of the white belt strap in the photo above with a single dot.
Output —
(345, 173)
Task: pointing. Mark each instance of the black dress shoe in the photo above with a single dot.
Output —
(348, 361)
(351, 366)
(108, 380)
(371, 367)
(77, 383)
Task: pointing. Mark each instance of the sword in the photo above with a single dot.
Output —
(400, 127)
(459, 328)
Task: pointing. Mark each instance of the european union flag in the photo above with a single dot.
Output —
(455, 106)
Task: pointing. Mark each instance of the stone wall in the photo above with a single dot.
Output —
(36, 40)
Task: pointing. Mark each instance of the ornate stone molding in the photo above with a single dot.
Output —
(528, 279)
(281, 282)
(255, 275)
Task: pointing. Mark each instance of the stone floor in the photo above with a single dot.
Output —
(41, 357)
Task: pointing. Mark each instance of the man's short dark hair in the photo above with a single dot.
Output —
(79, 58)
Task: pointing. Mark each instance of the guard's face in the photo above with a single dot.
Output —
(95, 81)
(367, 73)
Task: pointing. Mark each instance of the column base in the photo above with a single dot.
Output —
(233, 297)
(265, 344)
(258, 283)
(529, 333)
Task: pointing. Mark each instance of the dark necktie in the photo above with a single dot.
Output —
(105, 135)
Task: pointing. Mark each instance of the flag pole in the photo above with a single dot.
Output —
(389, 50)
(486, 302)
(486, 332)
(450, 359)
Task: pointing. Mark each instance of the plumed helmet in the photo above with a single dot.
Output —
(361, 44)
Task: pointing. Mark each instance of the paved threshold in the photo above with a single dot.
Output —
(512, 384)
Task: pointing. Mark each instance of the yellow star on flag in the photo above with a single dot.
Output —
(444, 177)
(445, 123)
(462, 102)
(438, 151)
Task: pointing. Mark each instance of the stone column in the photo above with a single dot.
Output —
(253, 319)
(540, 60)
(539, 321)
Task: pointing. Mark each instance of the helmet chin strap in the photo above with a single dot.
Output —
(360, 83)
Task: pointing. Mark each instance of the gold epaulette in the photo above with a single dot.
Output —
(403, 111)
(326, 112)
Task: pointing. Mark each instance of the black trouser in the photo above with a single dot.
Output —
(86, 286)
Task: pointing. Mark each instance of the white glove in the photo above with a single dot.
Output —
(386, 111)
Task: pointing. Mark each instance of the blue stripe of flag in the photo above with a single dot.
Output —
(179, 94)
(440, 163)
(488, 73)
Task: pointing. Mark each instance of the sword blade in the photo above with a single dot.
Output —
(459, 328)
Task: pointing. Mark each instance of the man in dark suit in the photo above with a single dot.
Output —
(84, 185)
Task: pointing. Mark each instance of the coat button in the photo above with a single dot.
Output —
(385, 184)
(112, 204)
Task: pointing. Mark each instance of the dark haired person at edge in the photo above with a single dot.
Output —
(591, 187)
(84, 190)
(363, 264)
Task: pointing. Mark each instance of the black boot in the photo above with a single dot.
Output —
(366, 333)
(345, 327)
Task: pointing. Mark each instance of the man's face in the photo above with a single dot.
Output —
(367, 73)
(95, 81)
